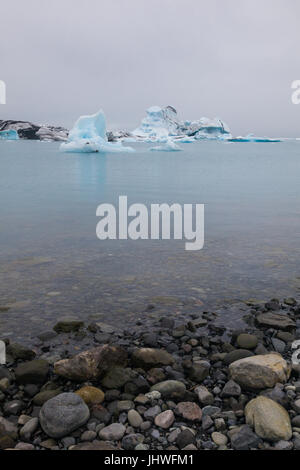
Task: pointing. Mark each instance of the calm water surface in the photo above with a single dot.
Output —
(52, 265)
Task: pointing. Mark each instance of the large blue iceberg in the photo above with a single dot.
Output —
(89, 135)
(162, 124)
(10, 134)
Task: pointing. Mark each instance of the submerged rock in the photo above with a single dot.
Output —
(275, 320)
(68, 325)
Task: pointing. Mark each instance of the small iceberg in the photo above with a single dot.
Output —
(169, 146)
(89, 135)
(253, 138)
(10, 134)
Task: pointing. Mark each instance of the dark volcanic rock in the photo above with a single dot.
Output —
(33, 372)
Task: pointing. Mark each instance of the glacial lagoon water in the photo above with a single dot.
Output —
(52, 265)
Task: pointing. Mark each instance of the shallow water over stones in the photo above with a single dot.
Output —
(52, 265)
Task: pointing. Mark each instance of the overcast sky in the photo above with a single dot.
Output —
(235, 59)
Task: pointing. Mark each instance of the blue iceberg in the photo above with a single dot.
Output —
(89, 135)
(9, 134)
(162, 124)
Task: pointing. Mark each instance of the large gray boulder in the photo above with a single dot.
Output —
(64, 413)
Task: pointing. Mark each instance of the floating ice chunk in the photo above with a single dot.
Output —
(82, 146)
(253, 138)
(209, 129)
(169, 146)
(9, 134)
(89, 135)
(89, 127)
(95, 145)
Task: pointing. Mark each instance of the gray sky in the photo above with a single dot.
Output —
(235, 59)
